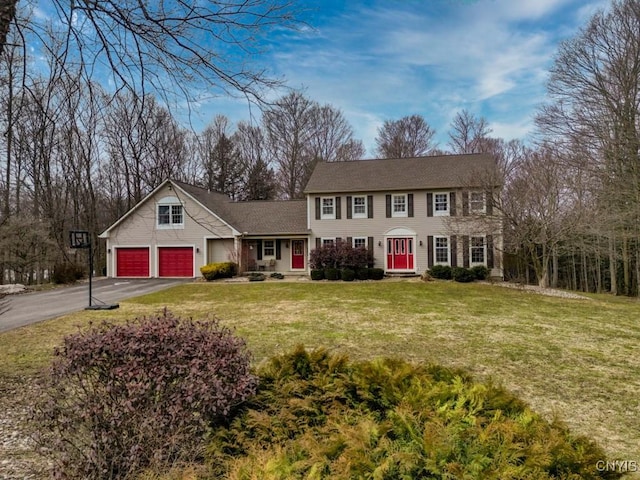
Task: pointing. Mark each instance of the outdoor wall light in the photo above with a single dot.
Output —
(420, 243)
(286, 244)
(197, 249)
(108, 250)
(379, 243)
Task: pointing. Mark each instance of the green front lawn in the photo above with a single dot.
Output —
(575, 359)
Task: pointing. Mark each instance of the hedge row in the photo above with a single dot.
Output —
(459, 274)
(347, 274)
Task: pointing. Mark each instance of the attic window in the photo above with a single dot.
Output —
(170, 213)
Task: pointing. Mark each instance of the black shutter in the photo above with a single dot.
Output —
(350, 241)
(278, 250)
(370, 206)
(410, 202)
(452, 204)
(489, 199)
(338, 241)
(465, 204)
(454, 251)
(370, 250)
(490, 251)
(430, 251)
(259, 247)
(338, 209)
(349, 207)
(388, 200)
(465, 251)
(429, 204)
(317, 208)
(318, 242)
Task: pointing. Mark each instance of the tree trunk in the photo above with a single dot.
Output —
(613, 269)
(7, 14)
(626, 271)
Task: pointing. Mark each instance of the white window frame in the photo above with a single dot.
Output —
(473, 247)
(272, 248)
(325, 241)
(327, 216)
(405, 212)
(171, 224)
(447, 199)
(436, 248)
(362, 240)
(356, 214)
(482, 201)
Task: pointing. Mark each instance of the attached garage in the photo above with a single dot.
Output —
(132, 262)
(175, 261)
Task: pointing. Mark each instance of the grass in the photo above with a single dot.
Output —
(575, 359)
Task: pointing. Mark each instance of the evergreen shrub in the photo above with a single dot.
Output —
(347, 275)
(320, 416)
(213, 271)
(442, 272)
(317, 274)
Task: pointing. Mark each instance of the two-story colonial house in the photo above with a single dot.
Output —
(411, 213)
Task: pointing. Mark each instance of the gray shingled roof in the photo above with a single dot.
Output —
(254, 217)
(442, 171)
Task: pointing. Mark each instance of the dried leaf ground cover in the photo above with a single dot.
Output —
(575, 359)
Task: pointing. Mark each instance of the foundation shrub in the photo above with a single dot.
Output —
(331, 273)
(362, 273)
(442, 272)
(122, 398)
(376, 273)
(319, 416)
(462, 275)
(347, 275)
(213, 271)
(317, 274)
(480, 272)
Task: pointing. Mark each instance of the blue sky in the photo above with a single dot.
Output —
(382, 60)
(385, 59)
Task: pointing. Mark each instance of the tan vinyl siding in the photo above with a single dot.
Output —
(220, 250)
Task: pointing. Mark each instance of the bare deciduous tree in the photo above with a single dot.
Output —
(410, 136)
(594, 113)
(192, 48)
(469, 134)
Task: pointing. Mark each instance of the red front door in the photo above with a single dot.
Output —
(297, 254)
(400, 254)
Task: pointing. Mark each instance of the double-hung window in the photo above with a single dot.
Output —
(476, 202)
(170, 214)
(399, 205)
(478, 251)
(441, 204)
(328, 208)
(359, 242)
(268, 249)
(441, 247)
(359, 207)
(328, 242)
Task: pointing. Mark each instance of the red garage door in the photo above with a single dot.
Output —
(175, 262)
(132, 262)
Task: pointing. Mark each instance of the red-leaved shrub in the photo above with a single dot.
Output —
(143, 394)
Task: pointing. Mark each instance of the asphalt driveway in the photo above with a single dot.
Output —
(27, 308)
